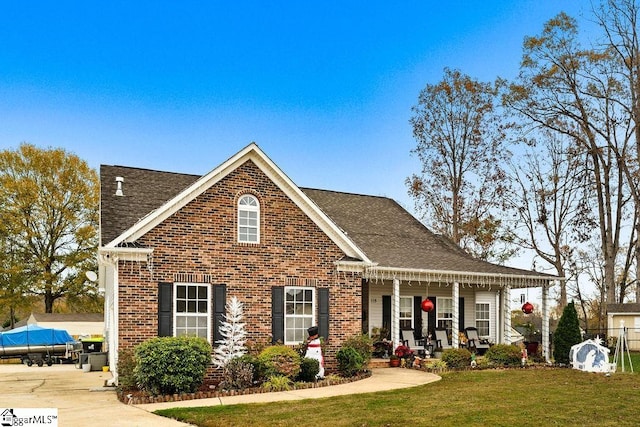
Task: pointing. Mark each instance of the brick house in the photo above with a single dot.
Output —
(175, 247)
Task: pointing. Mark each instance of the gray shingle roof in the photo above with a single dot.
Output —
(392, 237)
(623, 308)
(386, 232)
(144, 191)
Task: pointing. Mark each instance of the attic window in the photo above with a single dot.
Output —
(248, 219)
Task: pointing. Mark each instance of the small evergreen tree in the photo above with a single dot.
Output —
(567, 334)
(233, 334)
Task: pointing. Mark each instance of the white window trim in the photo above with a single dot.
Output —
(248, 208)
(313, 310)
(412, 318)
(439, 306)
(175, 306)
(488, 320)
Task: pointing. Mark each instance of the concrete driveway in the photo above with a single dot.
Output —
(79, 396)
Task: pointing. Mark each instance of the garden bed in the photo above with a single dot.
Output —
(136, 397)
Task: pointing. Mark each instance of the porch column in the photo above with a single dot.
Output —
(545, 322)
(455, 294)
(395, 314)
(506, 314)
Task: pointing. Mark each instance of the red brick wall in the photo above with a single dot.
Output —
(201, 239)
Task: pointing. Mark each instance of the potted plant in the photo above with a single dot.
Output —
(394, 361)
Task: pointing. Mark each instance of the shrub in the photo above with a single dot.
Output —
(504, 355)
(125, 368)
(238, 374)
(309, 368)
(363, 344)
(349, 361)
(435, 365)
(567, 334)
(277, 383)
(259, 369)
(168, 365)
(280, 360)
(457, 358)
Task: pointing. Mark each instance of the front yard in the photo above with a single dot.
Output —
(502, 397)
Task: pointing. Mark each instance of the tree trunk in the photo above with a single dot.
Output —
(48, 301)
(12, 317)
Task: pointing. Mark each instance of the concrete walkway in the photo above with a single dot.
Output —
(82, 400)
(381, 379)
(79, 396)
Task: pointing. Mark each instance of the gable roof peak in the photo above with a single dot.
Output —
(199, 185)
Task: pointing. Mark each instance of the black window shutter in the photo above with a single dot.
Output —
(417, 317)
(277, 314)
(165, 309)
(461, 314)
(323, 312)
(431, 318)
(219, 309)
(386, 314)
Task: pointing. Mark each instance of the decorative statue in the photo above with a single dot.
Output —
(314, 351)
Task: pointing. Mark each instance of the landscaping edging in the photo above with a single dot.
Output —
(129, 399)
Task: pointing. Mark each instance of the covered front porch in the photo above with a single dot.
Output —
(392, 300)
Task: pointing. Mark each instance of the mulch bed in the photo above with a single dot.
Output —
(137, 397)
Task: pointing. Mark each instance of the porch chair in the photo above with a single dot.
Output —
(409, 340)
(474, 343)
(442, 339)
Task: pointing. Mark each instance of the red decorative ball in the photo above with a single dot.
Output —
(527, 308)
(427, 305)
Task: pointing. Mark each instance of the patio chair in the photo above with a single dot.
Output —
(474, 343)
(409, 341)
(442, 339)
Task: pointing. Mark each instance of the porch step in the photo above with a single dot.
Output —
(378, 363)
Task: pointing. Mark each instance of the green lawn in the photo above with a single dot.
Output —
(635, 360)
(490, 397)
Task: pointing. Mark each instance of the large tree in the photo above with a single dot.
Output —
(462, 150)
(49, 211)
(619, 21)
(551, 212)
(575, 92)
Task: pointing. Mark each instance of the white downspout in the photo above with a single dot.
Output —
(111, 316)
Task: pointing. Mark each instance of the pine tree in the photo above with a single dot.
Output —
(567, 334)
(233, 335)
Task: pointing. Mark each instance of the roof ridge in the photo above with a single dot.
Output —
(349, 193)
(150, 170)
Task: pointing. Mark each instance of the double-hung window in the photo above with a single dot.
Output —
(482, 319)
(248, 219)
(299, 309)
(192, 313)
(406, 313)
(444, 314)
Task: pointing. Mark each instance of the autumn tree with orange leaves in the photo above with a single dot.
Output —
(461, 146)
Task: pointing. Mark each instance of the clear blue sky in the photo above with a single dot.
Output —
(324, 88)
